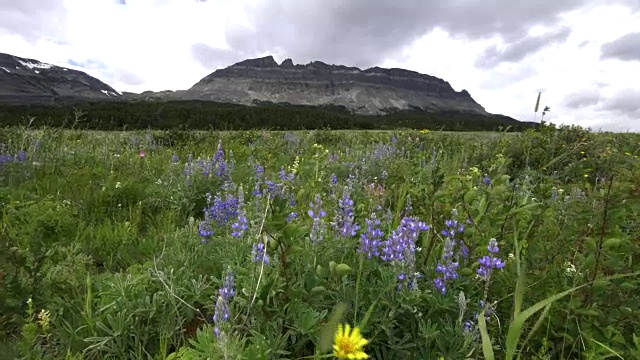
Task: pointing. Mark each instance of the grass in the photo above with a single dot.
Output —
(106, 252)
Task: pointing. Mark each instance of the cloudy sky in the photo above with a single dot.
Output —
(584, 55)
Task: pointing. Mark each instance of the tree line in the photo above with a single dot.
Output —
(207, 115)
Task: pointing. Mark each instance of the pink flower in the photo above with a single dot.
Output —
(142, 153)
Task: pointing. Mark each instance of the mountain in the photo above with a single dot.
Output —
(29, 81)
(371, 92)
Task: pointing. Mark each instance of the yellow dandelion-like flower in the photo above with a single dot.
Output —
(348, 344)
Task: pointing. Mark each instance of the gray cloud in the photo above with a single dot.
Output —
(625, 103)
(626, 47)
(211, 58)
(126, 77)
(502, 79)
(33, 19)
(520, 49)
(366, 32)
(582, 99)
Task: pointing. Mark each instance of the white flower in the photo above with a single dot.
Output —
(118, 185)
(569, 269)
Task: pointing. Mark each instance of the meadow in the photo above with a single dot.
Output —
(261, 245)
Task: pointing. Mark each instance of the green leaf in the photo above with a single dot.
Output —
(310, 280)
(332, 267)
(469, 196)
(466, 272)
(322, 272)
(295, 249)
(610, 243)
(342, 269)
(628, 286)
(487, 348)
(318, 290)
(515, 329)
(367, 315)
(326, 336)
(590, 261)
(600, 285)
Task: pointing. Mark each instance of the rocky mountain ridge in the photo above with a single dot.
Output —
(373, 91)
(29, 81)
(370, 91)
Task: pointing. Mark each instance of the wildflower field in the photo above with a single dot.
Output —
(319, 244)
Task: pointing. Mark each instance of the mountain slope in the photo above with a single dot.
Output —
(29, 81)
(372, 91)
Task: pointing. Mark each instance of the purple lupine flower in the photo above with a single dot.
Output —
(219, 164)
(225, 294)
(486, 180)
(400, 247)
(468, 327)
(21, 156)
(409, 281)
(175, 159)
(403, 239)
(334, 179)
(205, 167)
(271, 188)
(488, 310)
(222, 210)
(240, 226)
(371, 240)
(317, 214)
(293, 215)
(204, 228)
(258, 254)
(259, 170)
(489, 262)
(219, 156)
(256, 190)
(448, 264)
(228, 290)
(382, 151)
(291, 138)
(188, 169)
(344, 222)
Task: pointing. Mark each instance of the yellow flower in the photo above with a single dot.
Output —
(347, 344)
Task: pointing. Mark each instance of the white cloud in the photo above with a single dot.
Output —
(558, 71)
(149, 44)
